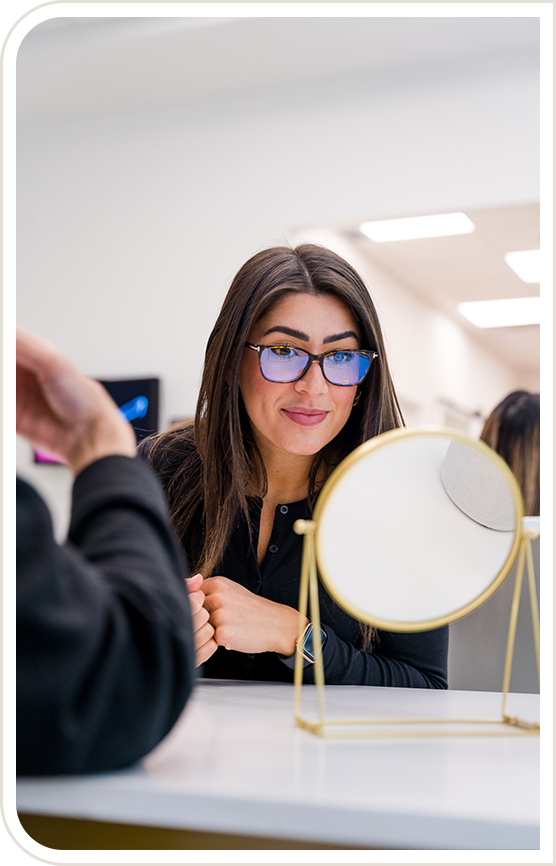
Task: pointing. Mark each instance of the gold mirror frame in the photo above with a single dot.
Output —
(308, 594)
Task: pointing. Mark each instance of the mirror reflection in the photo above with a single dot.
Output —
(477, 486)
(417, 529)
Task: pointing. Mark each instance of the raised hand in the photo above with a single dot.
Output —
(62, 410)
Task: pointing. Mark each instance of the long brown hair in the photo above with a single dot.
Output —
(223, 461)
(513, 431)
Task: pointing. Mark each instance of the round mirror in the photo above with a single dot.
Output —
(416, 528)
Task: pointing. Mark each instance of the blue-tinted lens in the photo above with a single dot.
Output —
(283, 363)
(346, 368)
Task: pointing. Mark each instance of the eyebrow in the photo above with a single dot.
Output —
(300, 335)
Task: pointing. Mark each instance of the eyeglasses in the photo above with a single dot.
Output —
(284, 364)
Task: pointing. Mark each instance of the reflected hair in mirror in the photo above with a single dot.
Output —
(513, 431)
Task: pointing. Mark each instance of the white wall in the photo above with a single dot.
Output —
(131, 226)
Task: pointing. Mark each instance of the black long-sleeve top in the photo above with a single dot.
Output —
(105, 656)
(416, 660)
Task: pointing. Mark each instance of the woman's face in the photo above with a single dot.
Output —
(299, 417)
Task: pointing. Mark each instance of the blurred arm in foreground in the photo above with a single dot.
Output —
(105, 655)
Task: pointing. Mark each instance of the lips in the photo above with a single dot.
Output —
(305, 417)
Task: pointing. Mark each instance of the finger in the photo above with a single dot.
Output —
(211, 584)
(30, 402)
(194, 582)
(196, 601)
(71, 395)
(33, 352)
(213, 602)
(203, 635)
(214, 585)
(200, 618)
(224, 637)
(204, 653)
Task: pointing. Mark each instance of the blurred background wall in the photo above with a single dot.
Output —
(156, 155)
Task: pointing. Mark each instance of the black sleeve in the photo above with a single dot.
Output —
(105, 656)
(417, 660)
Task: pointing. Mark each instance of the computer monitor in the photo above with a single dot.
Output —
(137, 400)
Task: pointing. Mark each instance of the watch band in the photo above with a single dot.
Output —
(305, 645)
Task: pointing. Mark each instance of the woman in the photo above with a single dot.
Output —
(513, 430)
(295, 378)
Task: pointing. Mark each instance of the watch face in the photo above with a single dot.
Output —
(308, 643)
(306, 648)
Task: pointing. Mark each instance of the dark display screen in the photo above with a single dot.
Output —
(137, 400)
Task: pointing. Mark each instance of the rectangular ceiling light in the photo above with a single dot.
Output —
(502, 314)
(412, 228)
(526, 264)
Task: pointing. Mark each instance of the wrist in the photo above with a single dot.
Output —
(102, 440)
(305, 647)
(289, 632)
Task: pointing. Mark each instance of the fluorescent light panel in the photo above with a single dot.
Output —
(502, 314)
(413, 228)
(526, 264)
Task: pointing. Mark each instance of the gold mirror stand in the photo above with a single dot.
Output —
(525, 552)
(308, 593)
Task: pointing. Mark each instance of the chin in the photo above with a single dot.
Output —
(305, 449)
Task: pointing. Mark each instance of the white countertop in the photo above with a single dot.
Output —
(236, 763)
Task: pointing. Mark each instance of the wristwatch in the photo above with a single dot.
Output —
(305, 645)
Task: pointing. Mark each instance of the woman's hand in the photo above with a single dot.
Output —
(246, 622)
(203, 632)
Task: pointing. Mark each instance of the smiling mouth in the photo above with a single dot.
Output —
(306, 417)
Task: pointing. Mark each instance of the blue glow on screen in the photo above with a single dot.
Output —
(136, 408)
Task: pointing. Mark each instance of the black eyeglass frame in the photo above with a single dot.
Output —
(369, 353)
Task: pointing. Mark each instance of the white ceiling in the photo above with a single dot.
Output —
(76, 67)
(446, 271)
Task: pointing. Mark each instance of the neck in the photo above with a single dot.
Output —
(287, 475)
(288, 481)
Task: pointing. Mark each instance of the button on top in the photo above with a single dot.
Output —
(273, 548)
(284, 509)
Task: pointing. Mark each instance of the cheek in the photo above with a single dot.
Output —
(344, 403)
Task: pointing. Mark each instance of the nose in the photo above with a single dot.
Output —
(312, 382)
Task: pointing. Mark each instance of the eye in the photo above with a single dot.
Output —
(342, 357)
(283, 351)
